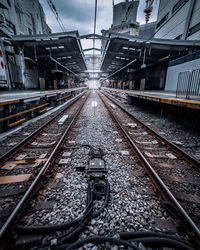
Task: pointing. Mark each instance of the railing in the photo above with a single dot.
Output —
(188, 85)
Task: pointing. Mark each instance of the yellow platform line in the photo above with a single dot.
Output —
(43, 110)
(172, 101)
(17, 122)
(62, 98)
(17, 100)
(23, 112)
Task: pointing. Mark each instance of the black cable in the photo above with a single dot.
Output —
(144, 234)
(163, 242)
(52, 228)
(96, 154)
(97, 213)
(83, 222)
(148, 242)
(99, 189)
(77, 230)
(90, 215)
(65, 226)
(42, 229)
(73, 232)
(100, 240)
(58, 227)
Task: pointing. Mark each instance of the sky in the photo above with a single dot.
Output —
(79, 15)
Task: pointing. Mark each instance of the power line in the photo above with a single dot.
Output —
(53, 8)
(95, 17)
(95, 20)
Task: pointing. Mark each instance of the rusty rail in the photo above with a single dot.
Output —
(160, 137)
(23, 201)
(190, 226)
(24, 141)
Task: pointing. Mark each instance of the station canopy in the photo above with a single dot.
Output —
(118, 52)
(125, 51)
(62, 48)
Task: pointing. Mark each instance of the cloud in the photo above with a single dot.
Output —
(79, 15)
(75, 14)
(75, 10)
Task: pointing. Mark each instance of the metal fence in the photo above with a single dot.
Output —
(188, 85)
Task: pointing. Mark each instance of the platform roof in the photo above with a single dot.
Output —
(64, 48)
(121, 50)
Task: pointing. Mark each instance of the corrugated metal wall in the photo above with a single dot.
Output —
(174, 26)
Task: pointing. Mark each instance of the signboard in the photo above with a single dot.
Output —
(94, 104)
(136, 32)
(2, 67)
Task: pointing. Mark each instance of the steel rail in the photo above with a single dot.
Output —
(14, 215)
(19, 145)
(152, 131)
(190, 226)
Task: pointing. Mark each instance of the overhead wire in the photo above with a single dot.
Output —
(95, 20)
(55, 12)
(53, 8)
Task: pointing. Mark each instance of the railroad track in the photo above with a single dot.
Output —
(174, 172)
(13, 140)
(90, 139)
(24, 165)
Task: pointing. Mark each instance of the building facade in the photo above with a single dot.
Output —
(22, 17)
(147, 31)
(178, 19)
(19, 17)
(124, 18)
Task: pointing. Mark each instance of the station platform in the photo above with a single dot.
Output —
(157, 96)
(16, 96)
(16, 107)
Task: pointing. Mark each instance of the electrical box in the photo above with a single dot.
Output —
(96, 168)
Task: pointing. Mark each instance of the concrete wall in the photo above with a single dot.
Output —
(146, 31)
(120, 10)
(26, 16)
(9, 14)
(173, 72)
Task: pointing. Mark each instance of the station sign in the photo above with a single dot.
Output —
(2, 67)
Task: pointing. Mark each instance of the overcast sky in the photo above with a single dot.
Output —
(79, 15)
